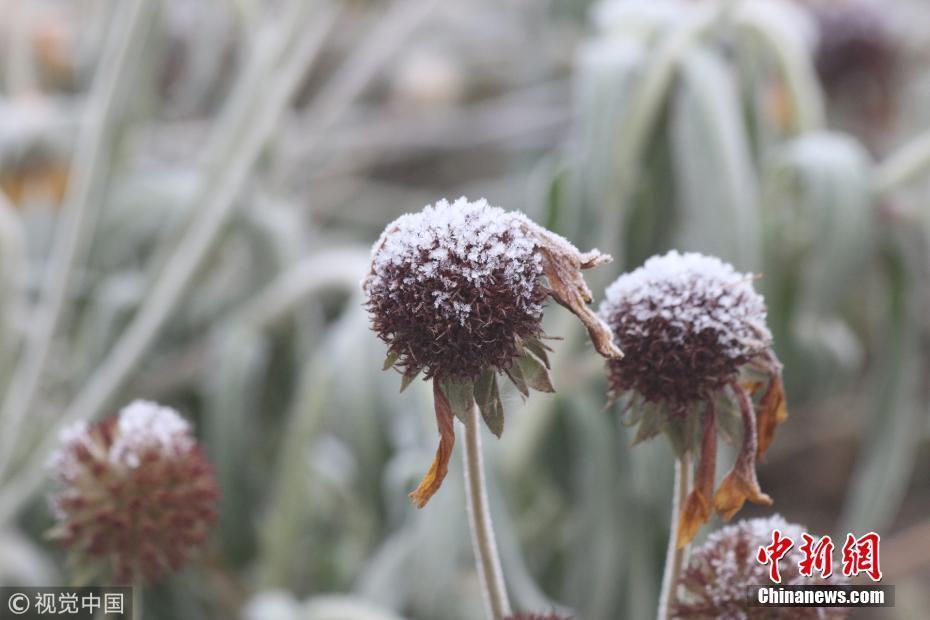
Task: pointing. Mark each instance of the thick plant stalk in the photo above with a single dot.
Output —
(497, 606)
(675, 558)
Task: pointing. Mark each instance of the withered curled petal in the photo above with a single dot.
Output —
(696, 511)
(562, 263)
(741, 483)
(772, 411)
(440, 467)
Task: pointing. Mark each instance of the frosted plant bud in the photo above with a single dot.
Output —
(134, 493)
(720, 572)
(456, 292)
(697, 352)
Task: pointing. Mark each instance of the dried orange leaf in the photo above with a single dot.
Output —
(694, 514)
(440, 467)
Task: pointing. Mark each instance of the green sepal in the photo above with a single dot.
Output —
(539, 350)
(516, 376)
(461, 397)
(534, 373)
(407, 379)
(488, 398)
(390, 360)
(729, 418)
(653, 418)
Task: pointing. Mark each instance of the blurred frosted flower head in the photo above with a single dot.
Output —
(715, 581)
(858, 54)
(697, 352)
(456, 292)
(134, 494)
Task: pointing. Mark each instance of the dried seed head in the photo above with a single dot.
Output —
(697, 354)
(685, 323)
(134, 494)
(452, 288)
(720, 571)
(456, 291)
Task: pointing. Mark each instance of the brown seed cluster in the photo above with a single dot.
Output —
(686, 323)
(719, 573)
(135, 493)
(454, 288)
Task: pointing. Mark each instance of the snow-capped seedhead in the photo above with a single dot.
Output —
(457, 292)
(722, 570)
(686, 323)
(696, 349)
(134, 493)
(454, 287)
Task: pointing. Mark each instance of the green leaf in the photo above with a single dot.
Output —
(390, 359)
(461, 397)
(407, 379)
(488, 398)
(535, 373)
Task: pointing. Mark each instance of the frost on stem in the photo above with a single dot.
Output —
(720, 572)
(134, 493)
(698, 360)
(457, 292)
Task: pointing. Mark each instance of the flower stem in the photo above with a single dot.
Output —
(675, 558)
(479, 517)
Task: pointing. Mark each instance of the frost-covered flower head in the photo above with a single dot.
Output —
(686, 322)
(134, 494)
(719, 573)
(457, 291)
(697, 350)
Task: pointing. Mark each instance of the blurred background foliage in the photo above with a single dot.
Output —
(190, 189)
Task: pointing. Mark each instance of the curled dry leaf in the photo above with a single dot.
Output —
(440, 467)
(562, 263)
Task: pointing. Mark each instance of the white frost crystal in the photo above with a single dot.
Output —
(473, 240)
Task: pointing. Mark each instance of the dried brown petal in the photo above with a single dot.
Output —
(772, 411)
(741, 483)
(440, 467)
(696, 511)
(562, 264)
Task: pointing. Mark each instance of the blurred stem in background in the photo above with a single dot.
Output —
(487, 557)
(675, 557)
(82, 203)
